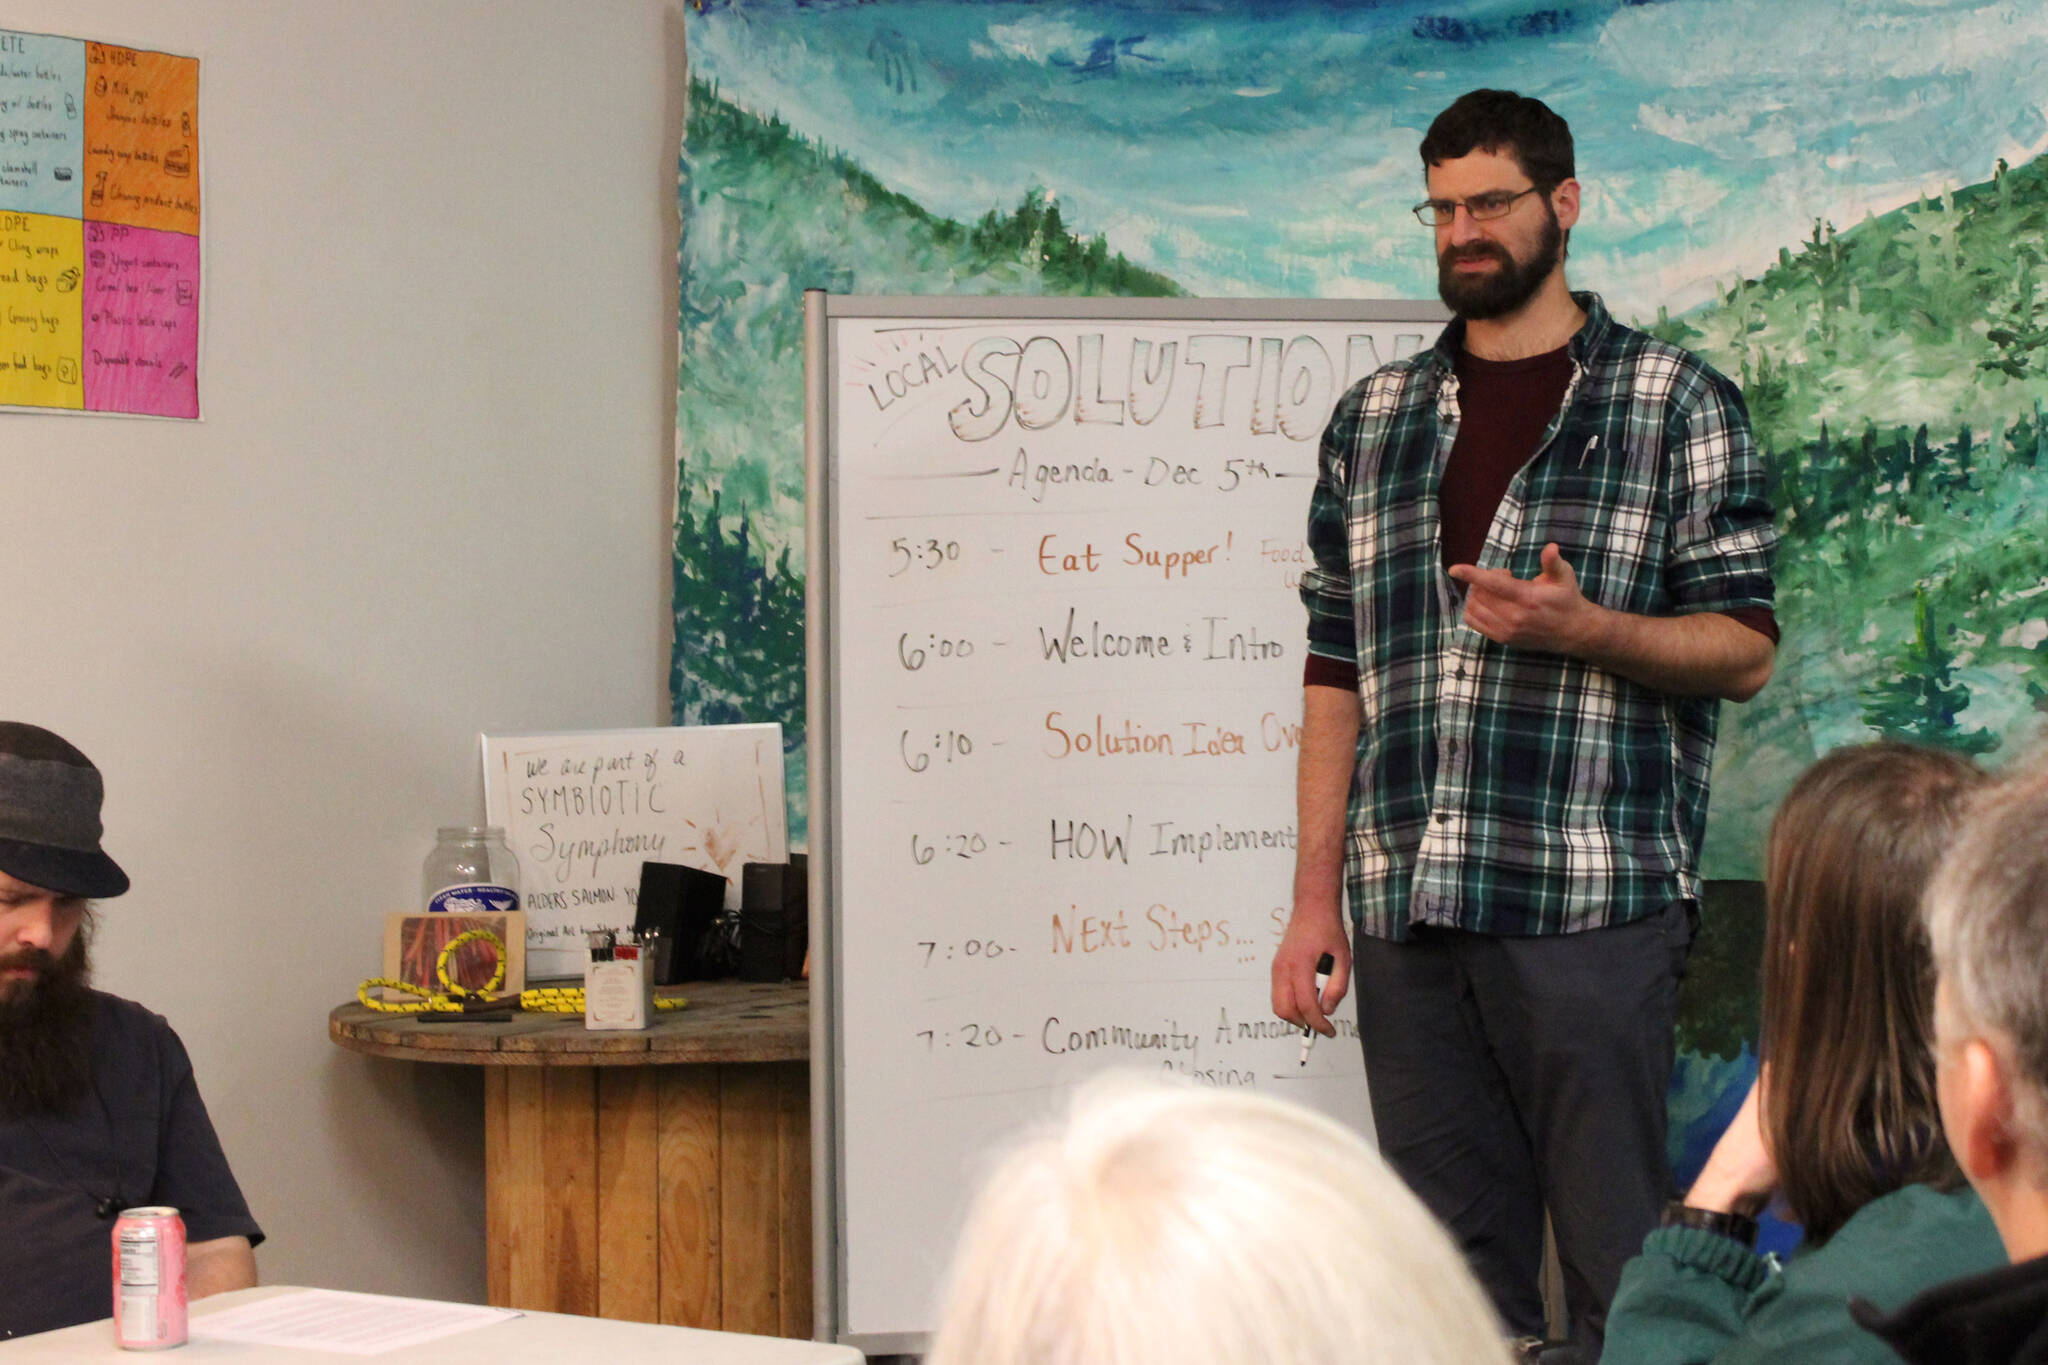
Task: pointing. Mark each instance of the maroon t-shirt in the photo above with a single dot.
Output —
(1505, 407)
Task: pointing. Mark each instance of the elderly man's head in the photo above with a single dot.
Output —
(1987, 923)
(1165, 1221)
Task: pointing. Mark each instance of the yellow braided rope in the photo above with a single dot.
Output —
(450, 997)
(569, 1000)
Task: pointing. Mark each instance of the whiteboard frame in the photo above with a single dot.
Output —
(821, 668)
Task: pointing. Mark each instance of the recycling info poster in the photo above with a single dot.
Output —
(99, 227)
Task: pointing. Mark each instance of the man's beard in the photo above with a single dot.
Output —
(1480, 298)
(46, 1032)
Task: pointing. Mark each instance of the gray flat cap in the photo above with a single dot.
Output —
(50, 797)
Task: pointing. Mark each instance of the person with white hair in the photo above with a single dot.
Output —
(1987, 924)
(1164, 1224)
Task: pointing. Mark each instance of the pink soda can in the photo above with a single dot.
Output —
(149, 1279)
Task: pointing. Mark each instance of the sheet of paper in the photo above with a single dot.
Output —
(349, 1324)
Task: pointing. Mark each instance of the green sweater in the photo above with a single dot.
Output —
(1694, 1297)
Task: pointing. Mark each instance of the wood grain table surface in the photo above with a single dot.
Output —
(724, 1021)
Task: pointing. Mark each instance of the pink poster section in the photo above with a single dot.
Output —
(141, 300)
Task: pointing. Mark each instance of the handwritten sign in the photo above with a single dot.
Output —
(583, 810)
(99, 227)
(1068, 643)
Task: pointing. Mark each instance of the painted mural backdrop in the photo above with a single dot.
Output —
(1843, 205)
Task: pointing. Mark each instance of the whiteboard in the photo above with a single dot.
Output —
(582, 809)
(1057, 652)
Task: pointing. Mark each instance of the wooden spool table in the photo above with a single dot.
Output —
(656, 1176)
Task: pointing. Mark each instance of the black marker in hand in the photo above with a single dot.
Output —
(1324, 966)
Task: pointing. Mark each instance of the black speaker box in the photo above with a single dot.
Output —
(679, 903)
(775, 919)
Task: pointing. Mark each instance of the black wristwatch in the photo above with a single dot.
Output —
(1739, 1226)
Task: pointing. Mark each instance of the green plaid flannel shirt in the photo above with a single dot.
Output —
(1512, 791)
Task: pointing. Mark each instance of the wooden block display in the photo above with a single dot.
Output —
(412, 944)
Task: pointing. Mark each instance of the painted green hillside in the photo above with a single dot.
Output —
(1933, 313)
(1897, 373)
(768, 213)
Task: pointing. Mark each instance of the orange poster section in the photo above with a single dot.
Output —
(141, 138)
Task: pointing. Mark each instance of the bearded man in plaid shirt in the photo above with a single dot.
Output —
(1542, 556)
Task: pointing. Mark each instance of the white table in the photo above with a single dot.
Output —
(542, 1338)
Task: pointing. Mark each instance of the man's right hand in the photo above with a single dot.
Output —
(1329, 752)
(1311, 932)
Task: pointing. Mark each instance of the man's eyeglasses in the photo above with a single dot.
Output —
(1480, 207)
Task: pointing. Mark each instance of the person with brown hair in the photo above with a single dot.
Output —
(1842, 1125)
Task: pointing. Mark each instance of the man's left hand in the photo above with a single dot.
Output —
(1546, 612)
(218, 1265)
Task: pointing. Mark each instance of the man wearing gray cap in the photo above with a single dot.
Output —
(98, 1108)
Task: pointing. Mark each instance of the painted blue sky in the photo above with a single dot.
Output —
(1269, 148)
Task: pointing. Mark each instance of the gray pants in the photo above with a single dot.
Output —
(1511, 1075)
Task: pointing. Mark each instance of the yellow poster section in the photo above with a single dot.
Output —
(141, 138)
(42, 262)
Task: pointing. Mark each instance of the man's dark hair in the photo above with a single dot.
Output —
(1503, 121)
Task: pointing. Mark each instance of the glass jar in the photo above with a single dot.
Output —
(471, 869)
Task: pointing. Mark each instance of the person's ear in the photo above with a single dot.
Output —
(1985, 1142)
(1564, 202)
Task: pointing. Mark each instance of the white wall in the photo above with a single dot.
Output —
(430, 496)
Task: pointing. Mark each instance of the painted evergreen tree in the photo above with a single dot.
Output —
(1923, 702)
(741, 657)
